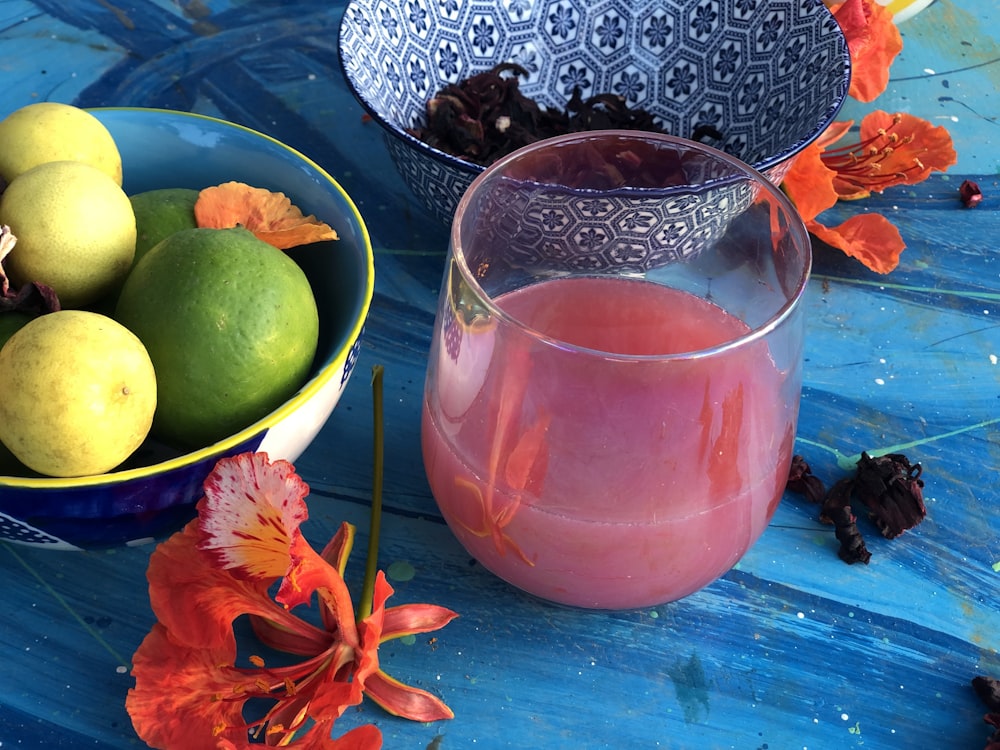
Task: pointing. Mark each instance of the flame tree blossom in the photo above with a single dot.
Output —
(873, 42)
(194, 686)
(892, 149)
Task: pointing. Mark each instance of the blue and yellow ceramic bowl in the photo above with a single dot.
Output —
(155, 492)
(767, 77)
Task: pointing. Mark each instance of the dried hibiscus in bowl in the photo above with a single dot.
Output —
(486, 116)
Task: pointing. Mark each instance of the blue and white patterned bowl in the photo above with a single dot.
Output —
(769, 75)
(157, 494)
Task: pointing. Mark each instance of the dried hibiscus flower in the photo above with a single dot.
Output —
(892, 490)
(988, 690)
(889, 487)
(970, 194)
(837, 511)
(804, 482)
(486, 116)
(270, 216)
(32, 297)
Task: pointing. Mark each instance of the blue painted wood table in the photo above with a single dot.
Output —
(792, 649)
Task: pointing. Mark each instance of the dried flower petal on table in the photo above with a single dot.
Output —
(270, 216)
(892, 490)
(803, 481)
(837, 511)
(988, 690)
(889, 486)
(970, 194)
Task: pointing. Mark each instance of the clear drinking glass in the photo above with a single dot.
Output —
(614, 378)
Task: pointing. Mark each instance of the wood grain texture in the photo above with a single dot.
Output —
(792, 649)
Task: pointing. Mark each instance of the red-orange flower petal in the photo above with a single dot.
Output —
(182, 695)
(338, 549)
(183, 580)
(408, 619)
(190, 693)
(870, 238)
(270, 216)
(311, 573)
(404, 700)
(894, 149)
(809, 183)
(873, 41)
(252, 510)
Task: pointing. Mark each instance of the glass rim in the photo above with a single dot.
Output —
(740, 170)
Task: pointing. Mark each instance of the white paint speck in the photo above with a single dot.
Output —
(844, 717)
(801, 615)
(993, 359)
(929, 71)
(879, 381)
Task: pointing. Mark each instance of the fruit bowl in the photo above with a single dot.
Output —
(765, 78)
(154, 492)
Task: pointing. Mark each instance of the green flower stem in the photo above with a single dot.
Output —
(375, 524)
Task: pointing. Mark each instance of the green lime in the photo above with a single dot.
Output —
(11, 322)
(231, 326)
(160, 213)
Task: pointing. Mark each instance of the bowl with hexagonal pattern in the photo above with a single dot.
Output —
(763, 77)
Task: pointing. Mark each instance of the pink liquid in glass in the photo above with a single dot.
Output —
(601, 481)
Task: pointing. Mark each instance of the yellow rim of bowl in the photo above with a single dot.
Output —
(307, 391)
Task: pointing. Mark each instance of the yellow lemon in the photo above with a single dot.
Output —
(51, 131)
(79, 394)
(75, 230)
(231, 325)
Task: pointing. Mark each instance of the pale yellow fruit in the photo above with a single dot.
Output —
(75, 230)
(79, 393)
(50, 131)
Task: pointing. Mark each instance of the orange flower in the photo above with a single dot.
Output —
(873, 42)
(270, 216)
(192, 686)
(894, 149)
